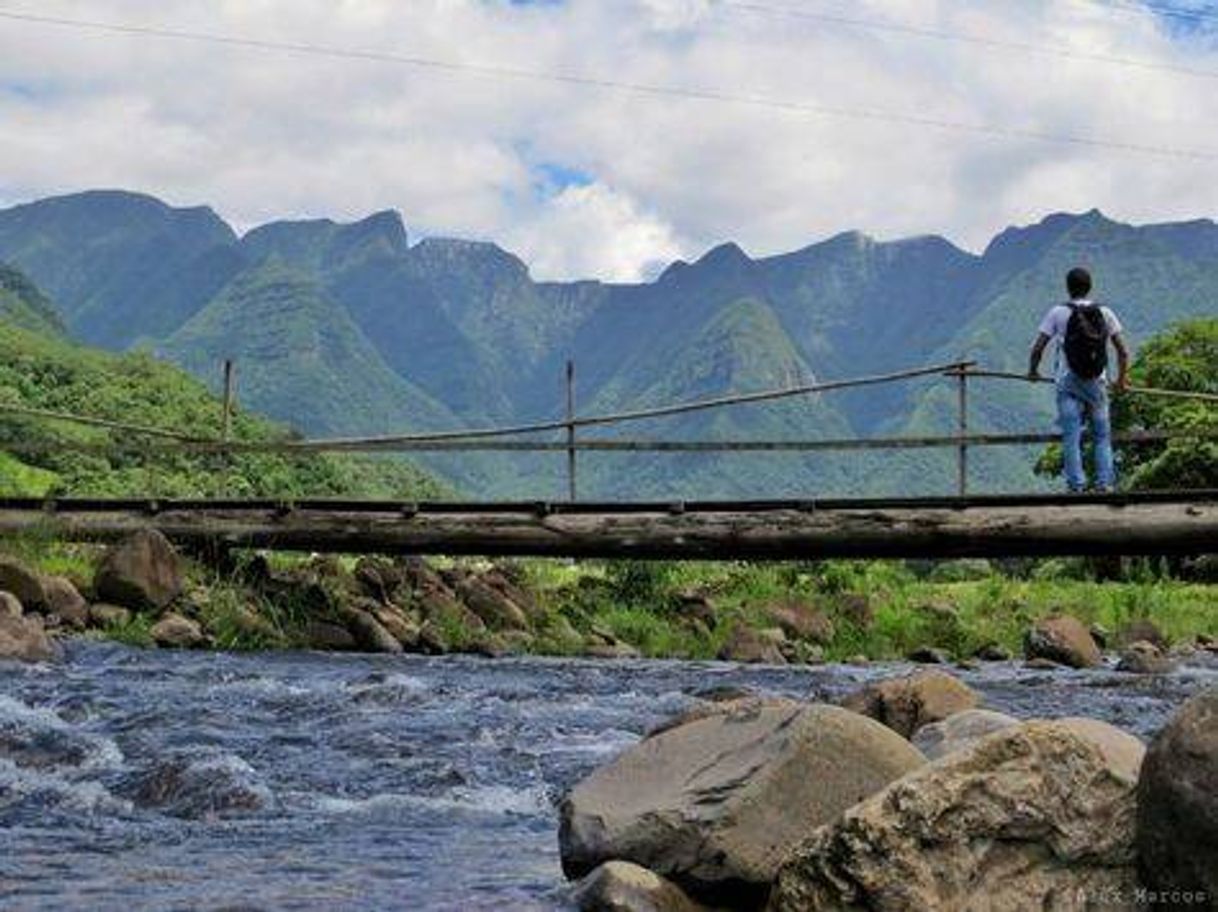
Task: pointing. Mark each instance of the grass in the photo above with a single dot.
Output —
(951, 607)
(881, 610)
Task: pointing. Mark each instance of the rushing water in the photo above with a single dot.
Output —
(160, 780)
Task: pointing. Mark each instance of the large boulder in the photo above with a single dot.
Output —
(24, 638)
(1032, 817)
(329, 637)
(497, 610)
(505, 585)
(619, 886)
(11, 605)
(26, 584)
(802, 621)
(441, 608)
(177, 632)
(1121, 750)
(64, 600)
(959, 731)
(401, 627)
(103, 615)
(1178, 802)
(379, 578)
(1144, 657)
(1062, 639)
(370, 634)
(907, 703)
(716, 804)
(143, 573)
(746, 644)
(740, 705)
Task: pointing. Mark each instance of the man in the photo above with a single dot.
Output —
(1082, 330)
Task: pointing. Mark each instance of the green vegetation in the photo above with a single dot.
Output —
(1183, 358)
(22, 304)
(881, 610)
(50, 373)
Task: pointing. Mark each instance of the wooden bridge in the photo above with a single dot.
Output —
(1168, 523)
(1158, 523)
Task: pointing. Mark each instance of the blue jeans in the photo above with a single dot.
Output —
(1076, 400)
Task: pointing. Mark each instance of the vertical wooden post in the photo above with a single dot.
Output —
(230, 388)
(962, 428)
(571, 488)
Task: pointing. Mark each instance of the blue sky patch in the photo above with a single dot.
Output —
(554, 177)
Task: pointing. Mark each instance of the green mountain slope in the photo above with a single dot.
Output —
(45, 371)
(119, 265)
(23, 305)
(299, 355)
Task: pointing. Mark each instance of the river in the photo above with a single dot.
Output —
(134, 780)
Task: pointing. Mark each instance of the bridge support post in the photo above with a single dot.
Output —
(571, 483)
(230, 392)
(962, 428)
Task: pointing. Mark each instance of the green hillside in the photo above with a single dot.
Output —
(23, 305)
(44, 371)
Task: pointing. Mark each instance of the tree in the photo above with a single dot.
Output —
(1185, 357)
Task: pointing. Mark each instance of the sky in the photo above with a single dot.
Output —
(772, 124)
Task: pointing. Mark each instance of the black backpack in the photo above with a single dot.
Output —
(1086, 343)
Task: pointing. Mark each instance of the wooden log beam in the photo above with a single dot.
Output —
(780, 533)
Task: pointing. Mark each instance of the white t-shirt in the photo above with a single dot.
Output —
(1054, 326)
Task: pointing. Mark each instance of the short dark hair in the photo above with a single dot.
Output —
(1078, 282)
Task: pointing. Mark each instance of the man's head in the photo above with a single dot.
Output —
(1078, 282)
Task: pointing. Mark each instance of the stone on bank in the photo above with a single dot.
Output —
(1036, 816)
(716, 804)
(1178, 803)
(619, 886)
(907, 703)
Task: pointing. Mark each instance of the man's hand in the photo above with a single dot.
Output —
(1122, 350)
(1034, 356)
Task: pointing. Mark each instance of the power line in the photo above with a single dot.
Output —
(697, 94)
(936, 34)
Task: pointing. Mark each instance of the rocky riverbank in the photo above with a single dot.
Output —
(143, 592)
(770, 804)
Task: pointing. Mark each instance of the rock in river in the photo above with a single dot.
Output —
(748, 645)
(619, 886)
(1178, 802)
(27, 585)
(1144, 657)
(24, 638)
(64, 600)
(1062, 639)
(1037, 816)
(178, 632)
(959, 730)
(906, 704)
(716, 804)
(144, 572)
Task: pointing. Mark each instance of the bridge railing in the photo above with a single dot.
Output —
(156, 440)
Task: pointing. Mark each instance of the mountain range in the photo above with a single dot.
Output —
(342, 329)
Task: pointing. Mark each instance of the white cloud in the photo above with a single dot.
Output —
(264, 134)
(593, 230)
